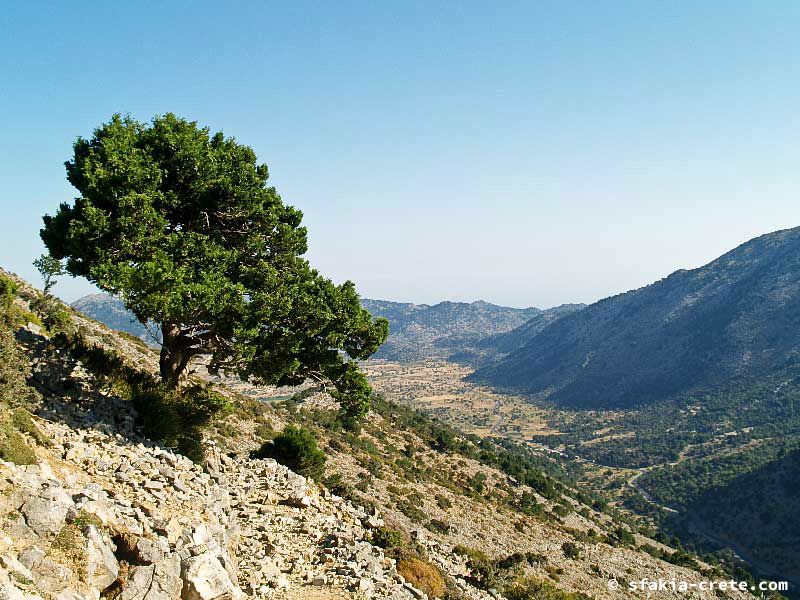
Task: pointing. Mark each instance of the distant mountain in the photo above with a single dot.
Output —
(736, 318)
(420, 331)
(494, 347)
(111, 311)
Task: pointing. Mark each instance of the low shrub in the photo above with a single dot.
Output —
(54, 315)
(570, 550)
(422, 575)
(443, 502)
(14, 389)
(296, 448)
(387, 539)
(176, 417)
(338, 486)
(438, 526)
(411, 510)
(13, 446)
(22, 421)
(483, 570)
(534, 589)
(620, 537)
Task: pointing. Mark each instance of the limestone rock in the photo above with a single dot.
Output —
(46, 513)
(102, 567)
(204, 578)
(160, 581)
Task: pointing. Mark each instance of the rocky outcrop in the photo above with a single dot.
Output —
(104, 514)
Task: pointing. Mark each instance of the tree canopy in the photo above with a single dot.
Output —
(183, 226)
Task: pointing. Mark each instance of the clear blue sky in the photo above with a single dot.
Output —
(525, 153)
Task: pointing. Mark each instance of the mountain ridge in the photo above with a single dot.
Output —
(417, 331)
(733, 317)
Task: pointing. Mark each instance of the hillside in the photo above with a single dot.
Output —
(97, 499)
(496, 346)
(746, 498)
(737, 317)
(419, 331)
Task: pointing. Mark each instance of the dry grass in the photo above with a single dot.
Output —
(422, 575)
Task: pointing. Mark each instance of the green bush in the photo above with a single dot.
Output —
(533, 589)
(443, 502)
(22, 421)
(411, 510)
(296, 448)
(386, 538)
(571, 550)
(13, 446)
(438, 526)
(14, 389)
(8, 289)
(176, 418)
(483, 570)
(620, 537)
(54, 315)
(338, 486)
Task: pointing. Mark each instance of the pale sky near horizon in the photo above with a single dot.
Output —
(524, 153)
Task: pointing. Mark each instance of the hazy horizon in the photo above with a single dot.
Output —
(522, 154)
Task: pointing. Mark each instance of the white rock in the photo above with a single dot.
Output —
(204, 578)
(102, 567)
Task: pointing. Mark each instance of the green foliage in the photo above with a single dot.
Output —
(12, 315)
(184, 227)
(49, 268)
(176, 418)
(483, 570)
(386, 538)
(534, 589)
(621, 537)
(22, 421)
(13, 446)
(411, 509)
(8, 290)
(438, 526)
(84, 519)
(296, 448)
(443, 502)
(571, 550)
(54, 315)
(14, 389)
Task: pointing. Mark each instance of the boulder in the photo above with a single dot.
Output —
(51, 576)
(102, 567)
(46, 513)
(161, 581)
(204, 578)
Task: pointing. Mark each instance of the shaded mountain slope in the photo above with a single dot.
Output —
(736, 317)
(496, 346)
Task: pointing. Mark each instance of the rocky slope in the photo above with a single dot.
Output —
(407, 506)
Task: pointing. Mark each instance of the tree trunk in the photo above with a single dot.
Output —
(172, 361)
